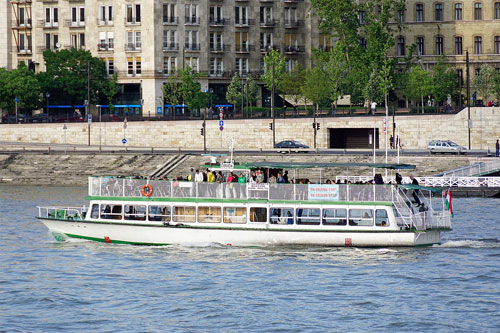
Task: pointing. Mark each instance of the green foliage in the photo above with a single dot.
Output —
(233, 93)
(21, 83)
(253, 91)
(444, 80)
(110, 90)
(292, 83)
(275, 63)
(486, 81)
(67, 73)
(172, 90)
(190, 90)
(315, 87)
(419, 84)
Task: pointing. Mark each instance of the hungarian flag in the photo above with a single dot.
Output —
(447, 201)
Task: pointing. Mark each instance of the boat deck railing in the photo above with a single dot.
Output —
(62, 213)
(129, 188)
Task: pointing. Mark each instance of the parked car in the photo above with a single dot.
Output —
(289, 145)
(40, 118)
(11, 119)
(108, 117)
(445, 146)
(66, 118)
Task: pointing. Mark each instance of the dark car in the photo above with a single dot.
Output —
(289, 145)
(67, 118)
(11, 119)
(40, 118)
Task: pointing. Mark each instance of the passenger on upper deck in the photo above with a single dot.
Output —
(259, 176)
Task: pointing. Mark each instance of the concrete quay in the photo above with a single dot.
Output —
(74, 168)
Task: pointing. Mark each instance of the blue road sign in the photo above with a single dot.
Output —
(221, 128)
(158, 110)
(221, 122)
(124, 141)
(16, 99)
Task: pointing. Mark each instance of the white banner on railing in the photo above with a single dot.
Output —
(323, 192)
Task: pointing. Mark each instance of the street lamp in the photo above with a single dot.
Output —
(16, 100)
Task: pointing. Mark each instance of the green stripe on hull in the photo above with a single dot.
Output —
(113, 241)
(211, 200)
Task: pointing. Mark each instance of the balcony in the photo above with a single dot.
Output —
(268, 48)
(170, 20)
(193, 47)
(101, 22)
(218, 22)
(131, 47)
(269, 23)
(48, 24)
(245, 48)
(293, 23)
(74, 24)
(26, 24)
(193, 20)
(25, 50)
(132, 21)
(103, 47)
(244, 22)
(170, 47)
(294, 49)
(220, 48)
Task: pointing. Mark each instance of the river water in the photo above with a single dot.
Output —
(48, 286)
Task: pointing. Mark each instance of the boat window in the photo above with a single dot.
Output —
(135, 212)
(309, 216)
(113, 212)
(381, 218)
(361, 217)
(281, 215)
(258, 214)
(94, 213)
(184, 214)
(335, 216)
(209, 214)
(235, 215)
(160, 213)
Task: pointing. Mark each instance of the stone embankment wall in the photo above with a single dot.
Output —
(74, 169)
(414, 131)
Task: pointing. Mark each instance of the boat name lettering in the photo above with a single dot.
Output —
(323, 192)
(227, 165)
(258, 186)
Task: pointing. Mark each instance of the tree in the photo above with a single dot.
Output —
(273, 75)
(418, 85)
(21, 83)
(233, 93)
(444, 81)
(172, 91)
(110, 91)
(69, 71)
(190, 90)
(293, 82)
(315, 86)
(485, 82)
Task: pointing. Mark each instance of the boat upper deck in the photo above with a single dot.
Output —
(137, 188)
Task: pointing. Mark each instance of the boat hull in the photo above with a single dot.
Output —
(189, 235)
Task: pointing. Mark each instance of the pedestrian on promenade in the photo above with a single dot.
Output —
(332, 109)
(391, 141)
(373, 106)
(497, 146)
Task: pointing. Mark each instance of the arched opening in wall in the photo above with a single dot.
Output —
(352, 138)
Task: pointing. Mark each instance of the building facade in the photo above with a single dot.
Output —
(144, 43)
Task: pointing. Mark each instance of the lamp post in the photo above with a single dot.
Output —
(47, 95)
(16, 100)
(468, 93)
(88, 89)
(272, 109)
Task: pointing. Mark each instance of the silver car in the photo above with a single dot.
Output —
(445, 146)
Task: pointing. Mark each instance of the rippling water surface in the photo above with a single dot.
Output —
(87, 286)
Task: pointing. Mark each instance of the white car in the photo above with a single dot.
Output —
(445, 146)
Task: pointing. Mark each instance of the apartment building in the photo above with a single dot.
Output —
(145, 42)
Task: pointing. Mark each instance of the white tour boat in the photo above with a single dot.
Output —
(155, 212)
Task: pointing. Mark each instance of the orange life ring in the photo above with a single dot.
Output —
(147, 192)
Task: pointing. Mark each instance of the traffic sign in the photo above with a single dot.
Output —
(124, 141)
(158, 110)
(221, 115)
(124, 123)
(89, 119)
(16, 99)
(221, 128)
(221, 122)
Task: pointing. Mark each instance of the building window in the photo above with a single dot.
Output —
(458, 45)
(266, 15)
(477, 71)
(401, 46)
(363, 43)
(105, 15)
(401, 15)
(497, 11)
(169, 13)
(419, 12)
(240, 15)
(420, 46)
(497, 44)
(111, 66)
(362, 17)
(170, 65)
(133, 14)
(439, 12)
(190, 14)
(458, 11)
(478, 11)
(21, 16)
(266, 41)
(439, 45)
(77, 16)
(478, 45)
